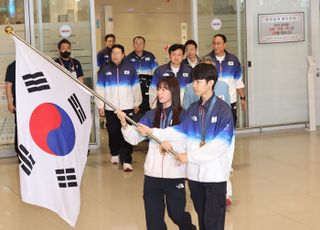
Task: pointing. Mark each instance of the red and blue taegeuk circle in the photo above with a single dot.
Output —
(52, 129)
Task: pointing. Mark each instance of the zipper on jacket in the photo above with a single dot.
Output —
(162, 165)
(118, 79)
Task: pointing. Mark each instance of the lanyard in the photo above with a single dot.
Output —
(164, 121)
(204, 119)
(71, 65)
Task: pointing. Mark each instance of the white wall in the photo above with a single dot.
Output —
(278, 80)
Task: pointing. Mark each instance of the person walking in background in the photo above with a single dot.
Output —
(10, 80)
(104, 55)
(180, 70)
(192, 58)
(221, 89)
(69, 63)
(145, 63)
(164, 180)
(230, 71)
(119, 84)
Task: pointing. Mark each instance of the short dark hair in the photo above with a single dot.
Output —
(224, 38)
(109, 36)
(139, 37)
(205, 71)
(175, 47)
(191, 42)
(118, 46)
(63, 41)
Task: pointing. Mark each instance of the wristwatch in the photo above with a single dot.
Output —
(243, 98)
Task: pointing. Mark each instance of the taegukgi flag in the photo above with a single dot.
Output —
(54, 123)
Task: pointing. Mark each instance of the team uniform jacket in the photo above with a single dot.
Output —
(183, 76)
(146, 64)
(156, 164)
(230, 71)
(186, 61)
(211, 162)
(221, 89)
(104, 56)
(119, 85)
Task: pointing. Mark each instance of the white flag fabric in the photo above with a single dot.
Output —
(54, 123)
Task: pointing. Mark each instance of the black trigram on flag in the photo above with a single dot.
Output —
(35, 82)
(25, 160)
(73, 100)
(67, 178)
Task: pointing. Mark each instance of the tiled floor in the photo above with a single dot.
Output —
(276, 186)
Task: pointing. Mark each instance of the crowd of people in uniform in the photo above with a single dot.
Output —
(189, 103)
(193, 110)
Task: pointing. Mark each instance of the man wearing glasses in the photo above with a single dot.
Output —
(230, 71)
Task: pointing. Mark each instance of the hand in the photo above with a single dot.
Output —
(165, 146)
(102, 112)
(121, 115)
(243, 105)
(144, 130)
(136, 109)
(11, 108)
(182, 158)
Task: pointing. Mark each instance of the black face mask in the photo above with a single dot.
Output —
(65, 54)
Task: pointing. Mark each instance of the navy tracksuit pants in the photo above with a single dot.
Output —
(117, 144)
(158, 192)
(209, 200)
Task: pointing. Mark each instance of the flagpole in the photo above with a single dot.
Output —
(9, 31)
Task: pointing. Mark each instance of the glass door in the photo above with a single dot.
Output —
(11, 13)
(55, 20)
(222, 17)
(48, 23)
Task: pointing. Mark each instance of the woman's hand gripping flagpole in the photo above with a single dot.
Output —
(144, 131)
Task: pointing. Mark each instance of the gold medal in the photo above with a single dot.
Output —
(202, 143)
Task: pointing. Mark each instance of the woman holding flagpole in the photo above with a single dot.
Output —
(164, 181)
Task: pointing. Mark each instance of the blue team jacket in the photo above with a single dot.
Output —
(119, 85)
(230, 72)
(212, 161)
(183, 76)
(146, 64)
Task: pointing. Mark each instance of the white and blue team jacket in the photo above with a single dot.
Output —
(211, 162)
(119, 85)
(230, 72)
(156, 164)
(183, 76)
(146, 64)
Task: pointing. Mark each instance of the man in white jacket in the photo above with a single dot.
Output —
(208, 134)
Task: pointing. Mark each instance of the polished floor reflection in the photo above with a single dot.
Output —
(275, 185)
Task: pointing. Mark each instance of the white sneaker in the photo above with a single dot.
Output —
(127, 167)
(115, 160)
